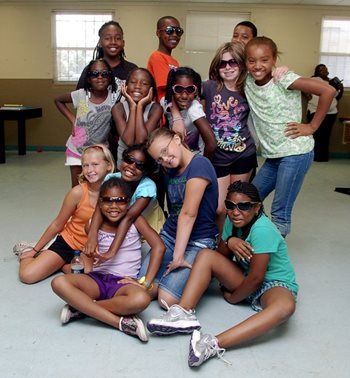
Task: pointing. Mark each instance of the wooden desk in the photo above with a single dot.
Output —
(19, 115)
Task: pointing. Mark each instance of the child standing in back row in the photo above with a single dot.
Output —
(92, 121)
(111, 47)
(286, 143)
(139, 115)
(160, 61)
(227, 111)
(185, 113)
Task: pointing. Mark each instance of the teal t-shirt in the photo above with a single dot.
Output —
(264, 237)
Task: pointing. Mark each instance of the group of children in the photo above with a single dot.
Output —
(201, 136)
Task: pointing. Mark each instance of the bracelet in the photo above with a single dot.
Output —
(178, 119)
(227, 240)
(146, 284)
(35, 250)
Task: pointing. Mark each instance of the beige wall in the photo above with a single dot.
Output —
(26, 51)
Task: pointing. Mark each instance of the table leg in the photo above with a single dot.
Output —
(21, 137)
(2, 142)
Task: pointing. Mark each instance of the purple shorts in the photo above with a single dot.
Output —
(107, 283)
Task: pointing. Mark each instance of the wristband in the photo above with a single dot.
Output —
(34, 249)
(146, 284)
(227, 240)
(178, 119)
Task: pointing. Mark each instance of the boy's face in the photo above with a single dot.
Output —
(169, 41)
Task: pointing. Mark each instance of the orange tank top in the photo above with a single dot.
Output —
(74, 231)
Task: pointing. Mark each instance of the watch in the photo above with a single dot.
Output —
(146, 284)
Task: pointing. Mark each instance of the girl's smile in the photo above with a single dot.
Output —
(94, 166)
(114, 204)
(101, 82)
(184, 99)
(130, 171)
(260, 62)
(138, 85)
(229, 73)
(112, 41)
(166, 151)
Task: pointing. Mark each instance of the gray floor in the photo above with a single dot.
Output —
(314, 343)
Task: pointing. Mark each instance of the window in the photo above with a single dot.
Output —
(335, 48)
(205, 33)
(76, 36)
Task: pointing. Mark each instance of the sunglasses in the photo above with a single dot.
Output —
(95, 74)
(110, 200)
(128, 159)
(171, 29)
(232, 63)
(241, 206)
(190, 89)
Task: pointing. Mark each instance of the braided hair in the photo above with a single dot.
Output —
(115, 182)
(150, 164)
(98, 51)
(177, 72)
(250, 191)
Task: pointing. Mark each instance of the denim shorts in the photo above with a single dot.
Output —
(174, 283)
(254, 299)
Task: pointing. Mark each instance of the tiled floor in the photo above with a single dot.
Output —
(314, 343)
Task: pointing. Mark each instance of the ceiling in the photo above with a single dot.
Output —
(272, 2)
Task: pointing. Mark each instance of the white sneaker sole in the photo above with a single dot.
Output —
(169, 328)
(141, 330)
(65, 314)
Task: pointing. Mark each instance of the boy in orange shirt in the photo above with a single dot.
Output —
(160, 61)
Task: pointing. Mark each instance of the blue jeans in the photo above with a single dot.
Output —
(284, 175)
(174, 283)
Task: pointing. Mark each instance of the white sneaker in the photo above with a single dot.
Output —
(22, 247)
(69, 313)
(132, 325)
(202, 347)
(175, 320)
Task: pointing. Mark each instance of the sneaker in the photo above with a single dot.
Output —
(175, 320)
(69, 313)
(202, 347)
(132, 325)
(22, 247)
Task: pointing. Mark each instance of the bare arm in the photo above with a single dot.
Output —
(143, 129)
(125, 129)
(207, 135)
(133, 213)
(95, 224)
(257, 270)
(69, 206)
(156, 244)
(195, 188)
(61, 102)
(178, 122)
(326, 94)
